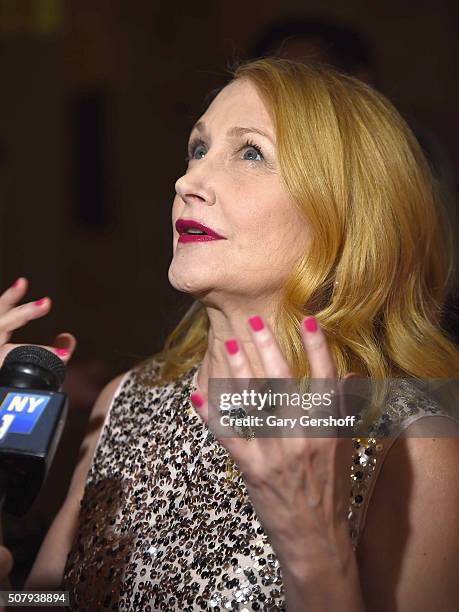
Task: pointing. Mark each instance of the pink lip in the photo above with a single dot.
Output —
(200, 238)
(181, 225)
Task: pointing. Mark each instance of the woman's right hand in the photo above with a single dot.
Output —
(13, 317)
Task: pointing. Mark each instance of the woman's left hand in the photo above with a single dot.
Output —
(299, 486)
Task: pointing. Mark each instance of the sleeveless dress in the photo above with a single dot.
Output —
(161, 525)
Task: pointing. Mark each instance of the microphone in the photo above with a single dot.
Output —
(32, 417)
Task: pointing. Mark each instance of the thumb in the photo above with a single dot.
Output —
(66, 341)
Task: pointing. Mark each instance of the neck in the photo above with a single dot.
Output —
(215, 364)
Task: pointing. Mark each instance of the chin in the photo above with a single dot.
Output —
(184, 281)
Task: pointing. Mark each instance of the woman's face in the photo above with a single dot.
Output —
(235, 189)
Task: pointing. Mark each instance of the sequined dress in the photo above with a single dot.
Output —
(163, 528)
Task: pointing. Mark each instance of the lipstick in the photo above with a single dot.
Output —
(194, 231)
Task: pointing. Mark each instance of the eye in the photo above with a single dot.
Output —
(196, 144)
(192, 147)
(252, 145)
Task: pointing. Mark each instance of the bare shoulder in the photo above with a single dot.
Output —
(89, 443)
(409, 549)
(144, 373)
(49, 564)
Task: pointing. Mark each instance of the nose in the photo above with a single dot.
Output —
(194, 186)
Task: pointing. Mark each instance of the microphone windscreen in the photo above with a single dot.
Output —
(37, 355)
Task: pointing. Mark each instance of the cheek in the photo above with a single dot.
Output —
(279, 233)
(175, 214)
(249, 231)
(260, 228)
(248, 212)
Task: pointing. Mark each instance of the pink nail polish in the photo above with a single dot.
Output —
(40, 302)
(232, 346)
(310, 324)
(256, 323)
(16, 282)
(62, 352)
(196, 399)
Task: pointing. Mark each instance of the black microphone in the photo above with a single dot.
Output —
(32, 416)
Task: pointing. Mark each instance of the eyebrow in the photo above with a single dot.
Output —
(234, 131)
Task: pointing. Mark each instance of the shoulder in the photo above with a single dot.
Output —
(422, 443)
(88, 446)
(146, 372)
(120, 389)
(407, 400)
(410, 544)
(109, 392)
(418, 464)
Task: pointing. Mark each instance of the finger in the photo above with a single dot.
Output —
(62, 353)
(240, 369)
(324, 385)
(268, 349)
(275, 367)
(237, 359)
(19, 316)
(319, 357)
(13, 294)
(65, 341)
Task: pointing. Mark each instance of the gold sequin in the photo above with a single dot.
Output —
(165, 520)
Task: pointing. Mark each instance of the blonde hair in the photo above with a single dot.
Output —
(377, 271)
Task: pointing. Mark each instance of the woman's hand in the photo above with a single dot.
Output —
(299, 486)
(13, 317)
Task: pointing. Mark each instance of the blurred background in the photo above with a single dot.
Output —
(97, 99)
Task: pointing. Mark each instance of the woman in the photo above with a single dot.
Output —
(324, 257)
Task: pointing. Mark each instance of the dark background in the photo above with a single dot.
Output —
(97, 99)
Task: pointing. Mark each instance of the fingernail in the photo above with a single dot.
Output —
(196, 399)
(310, 324)
(40, 302)
(256, 323)
(232, 346)
(62, 352)
(16, 282)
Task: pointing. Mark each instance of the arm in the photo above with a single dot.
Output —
(49, 564)
(409, 551)
(6, 563)
(325, 588)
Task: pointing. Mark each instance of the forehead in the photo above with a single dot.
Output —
(239, 103)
